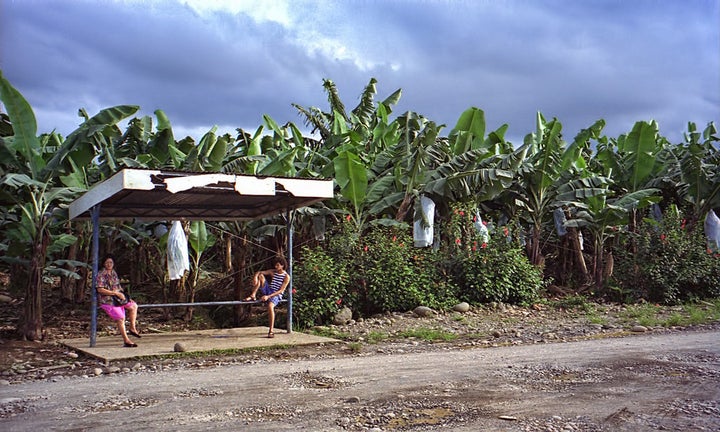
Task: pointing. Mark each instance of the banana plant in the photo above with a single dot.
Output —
(465, 167)
(32, 190)
(601, 213)
(350, 144)
(476, 167)
(200, 240)
(633, 161)
(538, 177)
(694, 172)
(30, 238)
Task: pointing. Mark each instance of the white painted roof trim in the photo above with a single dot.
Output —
(179, 184)
(315, 188)
(125, 179)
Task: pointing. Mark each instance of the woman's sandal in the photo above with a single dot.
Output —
(130, 345)
(249, 298)
(271, 335)
(137, 335)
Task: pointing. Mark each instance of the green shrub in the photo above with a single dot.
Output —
(501, 276)
(321, 287)
(670, 264)
(399, 277)
(492, 268)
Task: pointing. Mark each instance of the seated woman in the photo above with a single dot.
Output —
(272, 292)
(114, 302)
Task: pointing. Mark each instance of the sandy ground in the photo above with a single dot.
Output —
(667, 381)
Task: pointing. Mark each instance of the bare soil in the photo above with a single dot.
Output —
(500, 368)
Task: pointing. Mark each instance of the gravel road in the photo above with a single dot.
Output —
(647, 382)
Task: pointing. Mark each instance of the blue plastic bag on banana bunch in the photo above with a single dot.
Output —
(712, 231)
(178, 260)
(560, 219)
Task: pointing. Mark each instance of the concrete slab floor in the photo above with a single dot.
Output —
(109, 348)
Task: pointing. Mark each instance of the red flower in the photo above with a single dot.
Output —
(474, 248)
(457, 241)
(662, 237)
(483, 246)
(402, 244)
(484, 223)
(394, 238)
(462, 213)
(338, 301)
(475, 218)
(294, 290)
(366, 248)
(348, 217)
(682, 226)
(506, 231)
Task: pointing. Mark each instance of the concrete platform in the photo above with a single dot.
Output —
(109, 348)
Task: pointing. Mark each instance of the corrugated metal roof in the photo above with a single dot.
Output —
(172, 195)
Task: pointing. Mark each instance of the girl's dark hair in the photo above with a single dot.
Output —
(281, 260)
(110, 256)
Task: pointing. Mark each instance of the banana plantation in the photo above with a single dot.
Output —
(621, 219)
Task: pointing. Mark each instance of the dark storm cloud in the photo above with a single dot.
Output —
(577, 61)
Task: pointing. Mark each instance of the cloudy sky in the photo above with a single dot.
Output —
(227, 63)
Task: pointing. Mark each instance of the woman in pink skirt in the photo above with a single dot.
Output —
(114, 301)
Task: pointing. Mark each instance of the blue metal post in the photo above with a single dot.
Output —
(95, 216)
(290, 215)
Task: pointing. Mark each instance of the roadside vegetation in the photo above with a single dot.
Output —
(584, 219)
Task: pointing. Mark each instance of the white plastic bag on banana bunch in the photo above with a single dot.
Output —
(178, 260)
(712, 231)
(482, 229)
(423, 233)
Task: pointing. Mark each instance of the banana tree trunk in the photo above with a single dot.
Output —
(598, 264)
(533, 248)
(404, 208)
(32, 322)
(80, 285)
(577, 250)
(67, 284)
(194, 277)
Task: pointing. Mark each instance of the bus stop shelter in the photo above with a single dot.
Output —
(155, 195)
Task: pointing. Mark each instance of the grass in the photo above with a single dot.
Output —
(594, 318)
(376, 337)
(355, 347)
(429, 334)
(459, 318)
(646, 314)
(694, 313)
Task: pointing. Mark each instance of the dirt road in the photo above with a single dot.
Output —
(638, 383)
